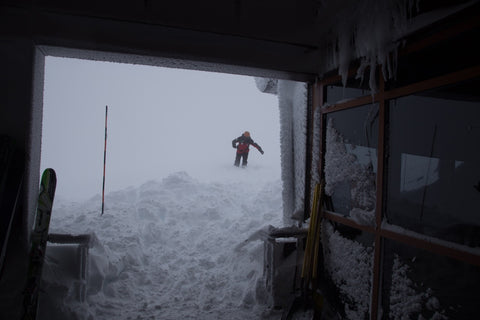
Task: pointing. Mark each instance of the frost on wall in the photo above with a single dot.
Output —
(292, 100)
(405, 301)
(349, 265)
(267, 85)
(344, 171)
(292, 104)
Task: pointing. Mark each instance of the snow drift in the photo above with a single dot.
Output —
(170, 249)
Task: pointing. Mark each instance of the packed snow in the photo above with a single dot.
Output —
(349, 264)
(344, 169)
(179, 248)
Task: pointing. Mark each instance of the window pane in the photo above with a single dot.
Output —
(421, 285)
(434, 164)
(351, 162)
(355, 88)
(424, 64)
(348, 255)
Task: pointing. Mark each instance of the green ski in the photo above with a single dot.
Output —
(39, 243)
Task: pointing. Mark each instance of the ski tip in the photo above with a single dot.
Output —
(49, 174)
(49, 180)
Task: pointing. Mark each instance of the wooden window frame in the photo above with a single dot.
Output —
(411, 238)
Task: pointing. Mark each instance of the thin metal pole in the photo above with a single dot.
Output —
(104, 160)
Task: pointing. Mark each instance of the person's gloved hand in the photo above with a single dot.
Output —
(234, 146)
(261, 151)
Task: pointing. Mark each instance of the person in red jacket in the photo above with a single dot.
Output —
(242, 145)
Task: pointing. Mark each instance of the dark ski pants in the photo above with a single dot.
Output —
(243, 157)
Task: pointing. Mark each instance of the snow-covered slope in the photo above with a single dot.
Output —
(170, 249)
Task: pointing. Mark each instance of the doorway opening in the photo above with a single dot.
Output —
(176, 208)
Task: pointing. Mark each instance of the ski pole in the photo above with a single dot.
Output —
(104, 161)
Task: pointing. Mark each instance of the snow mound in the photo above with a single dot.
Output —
(169, 250)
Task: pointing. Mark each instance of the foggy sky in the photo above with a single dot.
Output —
(160, 120)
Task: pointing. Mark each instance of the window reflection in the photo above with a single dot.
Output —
(418, 172)
(355, 88)
(351, 162)
(433, 164)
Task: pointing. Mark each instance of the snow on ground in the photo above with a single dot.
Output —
(170, 249)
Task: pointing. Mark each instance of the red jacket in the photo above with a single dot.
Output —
(244, 144)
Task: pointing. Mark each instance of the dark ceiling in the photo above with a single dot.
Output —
(271, 38)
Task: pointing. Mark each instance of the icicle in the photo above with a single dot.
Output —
(367, 30)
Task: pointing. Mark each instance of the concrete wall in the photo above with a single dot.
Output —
(21, 97)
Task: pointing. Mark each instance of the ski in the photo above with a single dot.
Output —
(39, 243)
